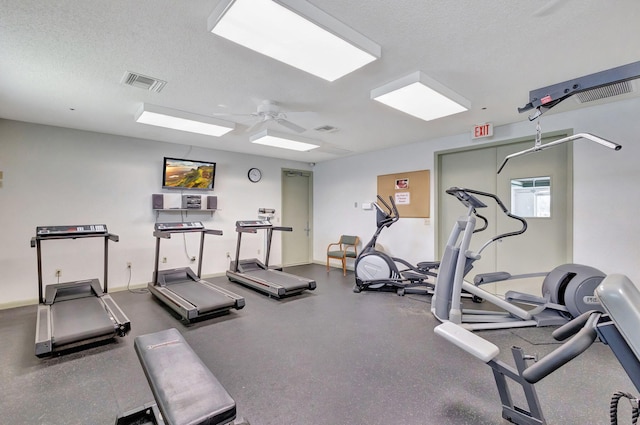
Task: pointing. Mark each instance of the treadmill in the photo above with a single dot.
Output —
(184, 291)
(74, 314)
(260, 276)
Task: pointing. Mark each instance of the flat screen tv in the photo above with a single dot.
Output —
(188, 174)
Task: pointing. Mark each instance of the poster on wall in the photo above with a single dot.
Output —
(402, 184)
(403, 198)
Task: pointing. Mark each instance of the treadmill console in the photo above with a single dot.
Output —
(190, 225)
(253, 224)
(86, 229)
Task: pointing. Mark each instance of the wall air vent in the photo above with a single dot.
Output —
(606, 91)
(143, 81)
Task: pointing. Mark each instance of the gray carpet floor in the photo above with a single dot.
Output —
(328, 356)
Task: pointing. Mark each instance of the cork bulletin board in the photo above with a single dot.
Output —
(409, 190)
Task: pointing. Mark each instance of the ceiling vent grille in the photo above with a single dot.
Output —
(611, 90)
(143, 81)
(326, 129)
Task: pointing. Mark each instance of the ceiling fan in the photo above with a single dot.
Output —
(268, 112)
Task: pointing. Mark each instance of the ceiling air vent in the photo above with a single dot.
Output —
(326, 129)
(611, 90)
(143, 81)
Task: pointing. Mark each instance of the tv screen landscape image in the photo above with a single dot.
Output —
(188, 174)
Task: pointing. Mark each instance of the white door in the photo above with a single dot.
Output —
(296, 213)
(547, 241)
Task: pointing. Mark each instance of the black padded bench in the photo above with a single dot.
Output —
(185, 390)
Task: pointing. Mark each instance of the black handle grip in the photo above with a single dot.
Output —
(572, 327)
(565, 353)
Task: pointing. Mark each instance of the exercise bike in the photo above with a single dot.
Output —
(567, 290)
(377, 271)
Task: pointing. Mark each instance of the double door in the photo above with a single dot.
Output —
(538, 185)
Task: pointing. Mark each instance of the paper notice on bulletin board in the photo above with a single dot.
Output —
(403, 198)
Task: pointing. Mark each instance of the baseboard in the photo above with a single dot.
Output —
(126, 288)
(18, 304)
(339, 267)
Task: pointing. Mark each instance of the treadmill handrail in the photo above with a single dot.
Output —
(247, 229)
(111, 236)
(283, 229)
(166, 234)
(250, 229)
(36, 242)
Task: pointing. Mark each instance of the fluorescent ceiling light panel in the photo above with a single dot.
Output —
(421, 96)
(282, 140)
(294, 32)
(184, 121)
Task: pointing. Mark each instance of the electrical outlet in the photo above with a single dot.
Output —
(258, 252)
(228, 255)
(164, 259)
(128, 264)
(192, 259)
(58, 272)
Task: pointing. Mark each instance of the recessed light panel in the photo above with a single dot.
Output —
(181, 120)
(421, 96)
(282, 140)
(294, 32)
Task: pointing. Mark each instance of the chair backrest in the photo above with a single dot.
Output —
(348, 240)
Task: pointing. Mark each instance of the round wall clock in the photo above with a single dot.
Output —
(254, 175)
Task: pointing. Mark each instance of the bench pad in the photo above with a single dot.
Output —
(185, 390)
(468, 341)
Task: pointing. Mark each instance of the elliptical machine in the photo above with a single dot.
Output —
(567, 290)
(378, 271)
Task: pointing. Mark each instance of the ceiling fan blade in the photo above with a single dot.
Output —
(333, 150)
(290, 125)
(255, 126)
(549, 8)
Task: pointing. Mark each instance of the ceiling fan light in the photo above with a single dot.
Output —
(275, 139)
(421, 96)
(183, 121)
(294, 32)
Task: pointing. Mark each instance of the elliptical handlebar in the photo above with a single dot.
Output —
(392, 215)
(481, 217)
(465, 196)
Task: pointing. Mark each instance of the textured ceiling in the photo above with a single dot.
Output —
(61, 63)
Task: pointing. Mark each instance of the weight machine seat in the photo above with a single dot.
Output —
(185, 390)
(80, 319)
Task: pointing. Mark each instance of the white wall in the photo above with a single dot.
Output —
(61, 176)
(606, 204)
(58, 176)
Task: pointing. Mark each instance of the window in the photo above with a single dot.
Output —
(531, 197)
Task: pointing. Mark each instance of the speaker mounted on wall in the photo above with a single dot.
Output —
(158, 201)
(212, 202)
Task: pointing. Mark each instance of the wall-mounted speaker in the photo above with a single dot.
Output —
(158, 201)
(212, 202)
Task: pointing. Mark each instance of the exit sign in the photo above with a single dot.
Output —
(482, 130)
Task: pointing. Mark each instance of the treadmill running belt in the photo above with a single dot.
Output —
(79, 319)
(200, 295)
(288, 281)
